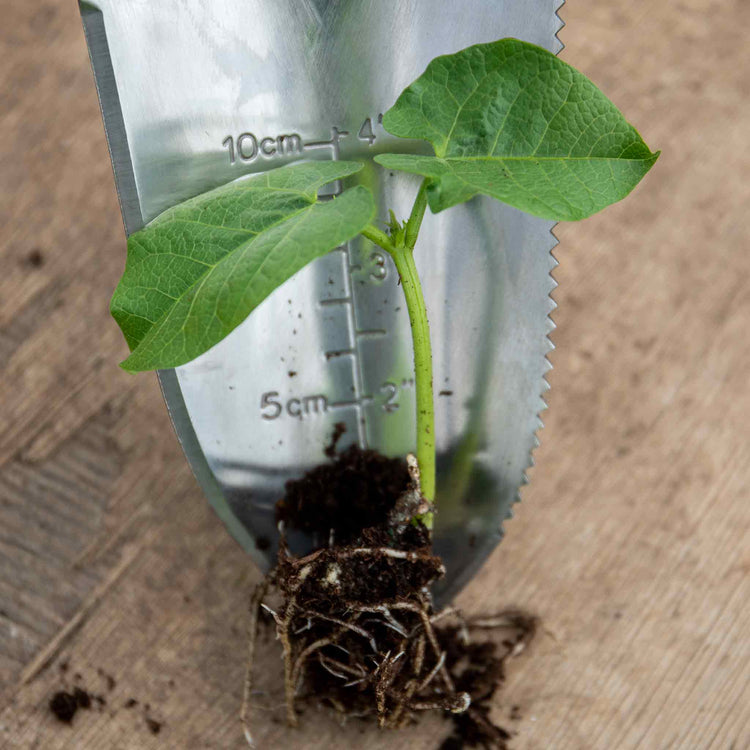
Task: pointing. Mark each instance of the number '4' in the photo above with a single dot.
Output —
(365, 132)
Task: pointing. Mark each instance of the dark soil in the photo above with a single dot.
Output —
(478, 667)
(64, 705)
(355, 492)
(338, 431)
(111, 682)
(356, 619)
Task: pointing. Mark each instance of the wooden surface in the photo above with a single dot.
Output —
(631, 543)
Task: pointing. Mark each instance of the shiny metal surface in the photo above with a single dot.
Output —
(198, 92)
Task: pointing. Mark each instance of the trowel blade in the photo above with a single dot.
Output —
(196, 93)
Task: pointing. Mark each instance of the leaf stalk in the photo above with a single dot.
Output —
(414, 223)
(380, 238)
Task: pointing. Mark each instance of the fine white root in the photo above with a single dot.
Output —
(252, 633)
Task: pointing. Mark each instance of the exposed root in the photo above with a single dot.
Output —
(388, 659)
(256, 601)
(355, 618)
(388, 651)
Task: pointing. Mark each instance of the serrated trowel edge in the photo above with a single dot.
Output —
(560, 27)
(444, 591)
(552, 305)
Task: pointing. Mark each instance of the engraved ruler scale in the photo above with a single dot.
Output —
(195, 93)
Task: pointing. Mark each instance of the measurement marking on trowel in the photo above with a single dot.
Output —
(274, 406)
(348, 299)
(351, 402)
(339, 353)
(356, 363)
(247, 147)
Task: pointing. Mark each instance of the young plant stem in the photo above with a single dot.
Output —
(402, 253)
(420, 333)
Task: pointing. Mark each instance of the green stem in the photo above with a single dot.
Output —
(420, 332)
(401, 250)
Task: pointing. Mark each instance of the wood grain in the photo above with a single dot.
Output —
(633, 541)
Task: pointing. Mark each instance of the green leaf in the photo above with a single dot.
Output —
(199, 269)
(510, 120)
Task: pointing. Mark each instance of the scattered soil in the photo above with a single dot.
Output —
(338, 431)
(111, 682)
(35, 258)
(478, 667)
(356, 619)
(64, 705)
(82, 698)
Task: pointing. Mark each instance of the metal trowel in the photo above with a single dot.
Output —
(195, 93)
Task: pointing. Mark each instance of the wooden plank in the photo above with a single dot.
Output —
(633, 540)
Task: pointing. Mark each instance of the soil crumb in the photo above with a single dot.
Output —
(35, 258)
(82, 698)
(153, 725)
(338, 430)
(64, 705)
(111, 682)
